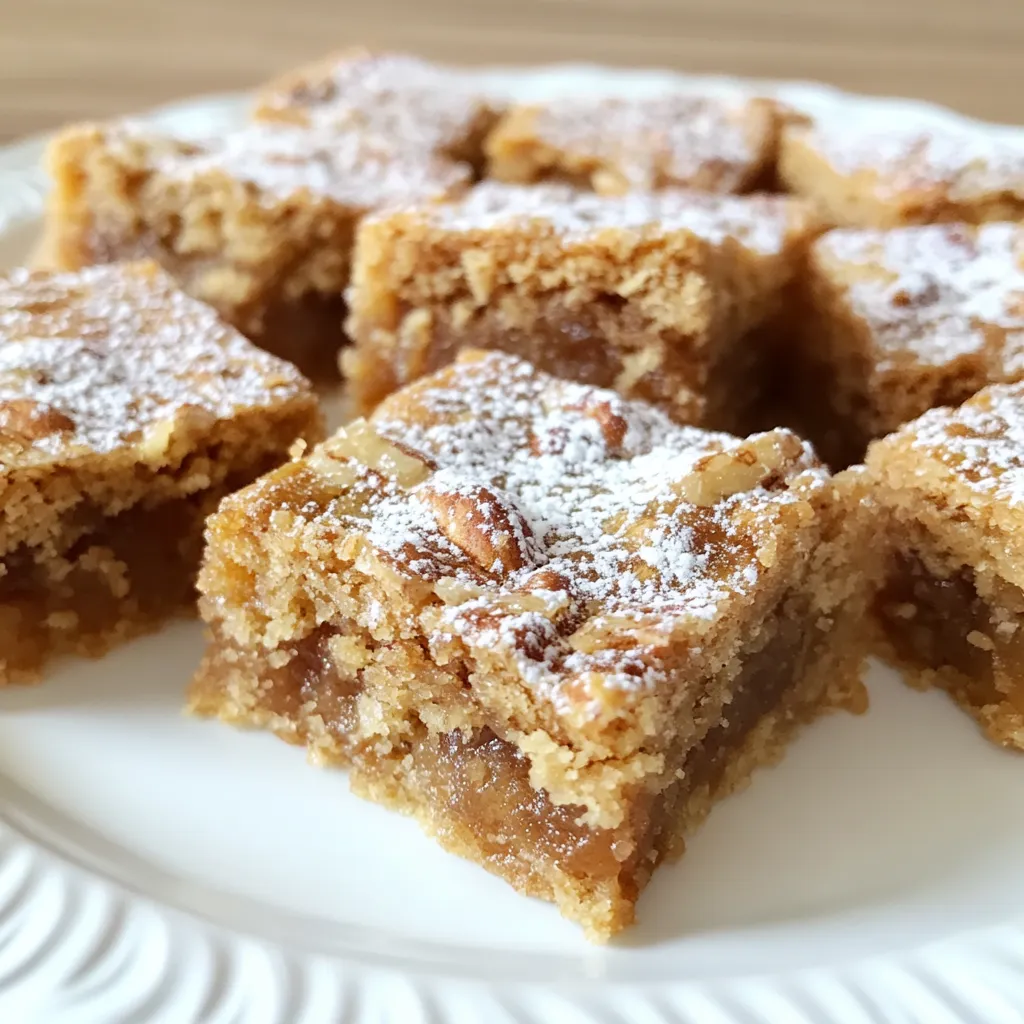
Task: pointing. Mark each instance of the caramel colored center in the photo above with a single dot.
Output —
(942, 622)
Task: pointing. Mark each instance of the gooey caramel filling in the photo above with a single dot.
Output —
(941, 622)
(478, 784)
(592, 345)
(128, 572)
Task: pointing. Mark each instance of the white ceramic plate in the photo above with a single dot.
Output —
(155, 868)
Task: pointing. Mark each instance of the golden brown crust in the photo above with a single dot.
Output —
(417, 108)
(118, 395)
(649, 294)
(616, 145)
(949, 488)
(863, 169)
(900, 321)
(258, 223)
(603, 618)
(427, 523)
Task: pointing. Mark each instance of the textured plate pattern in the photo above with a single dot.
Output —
(76, 947)
(88, 937)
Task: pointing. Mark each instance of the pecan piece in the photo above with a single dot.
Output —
(488, 528)
(29, 420)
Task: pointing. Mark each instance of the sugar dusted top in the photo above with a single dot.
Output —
(285, 161)
(561, 523)
(907, 153)
(934, 292)
(90, 361)
(761, 223)
(667, 139)
(982, 442)
(393, 96)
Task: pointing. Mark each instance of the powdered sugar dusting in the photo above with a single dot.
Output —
(283, 161)
(934, 291)
(982, 441)
(409, 102)
(654, 141)
(111, 351)
(914, 153)
(760, 223)
(598, 485)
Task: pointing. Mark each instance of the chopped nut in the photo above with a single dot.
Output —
(29, 420)
(453, 591)
(613, 425)
(980, 641)
(724, 474)
(481, 270)
(546, 579)
(491, 530)
(361, 443)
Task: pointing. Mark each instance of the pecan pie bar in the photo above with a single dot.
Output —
(548, 622)
(951, 489)
(616, 145)
(873, 169)
(900, 321)
(259, 223)
(416, 106)
(127, 410)
(652, 294)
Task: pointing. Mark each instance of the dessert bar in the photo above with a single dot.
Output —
(259, 223)
(652, 294)
(899, 321)
(127, 410)
(950, 491)
(548, 622)
(874, 168)
(616, 144)
(416, 107)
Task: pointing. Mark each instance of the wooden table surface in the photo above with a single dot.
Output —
(68, 59)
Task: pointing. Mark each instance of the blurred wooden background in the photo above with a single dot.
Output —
(65, 59)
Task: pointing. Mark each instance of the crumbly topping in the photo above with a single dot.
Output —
(761, 223)
(281, 161)
(90, 361)
(982, 441)
(912, 153)
(574, 528)
(657, 140)
(934, 291)
(428, 107)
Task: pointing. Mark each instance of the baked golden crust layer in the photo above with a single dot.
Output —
(882, 169)
(259, 222)
(906, 319)
(949, 487)
(120, 398)
(652, 294)
(412, 106)
(616, 145)
(501, 550)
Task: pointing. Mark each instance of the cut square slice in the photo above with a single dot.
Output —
(875, 169)
(259, 223)
(546, 621)
(950, 491)
(413, 105)
(652, 294)
(127, 410)
(903, 320)
(616, 145)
